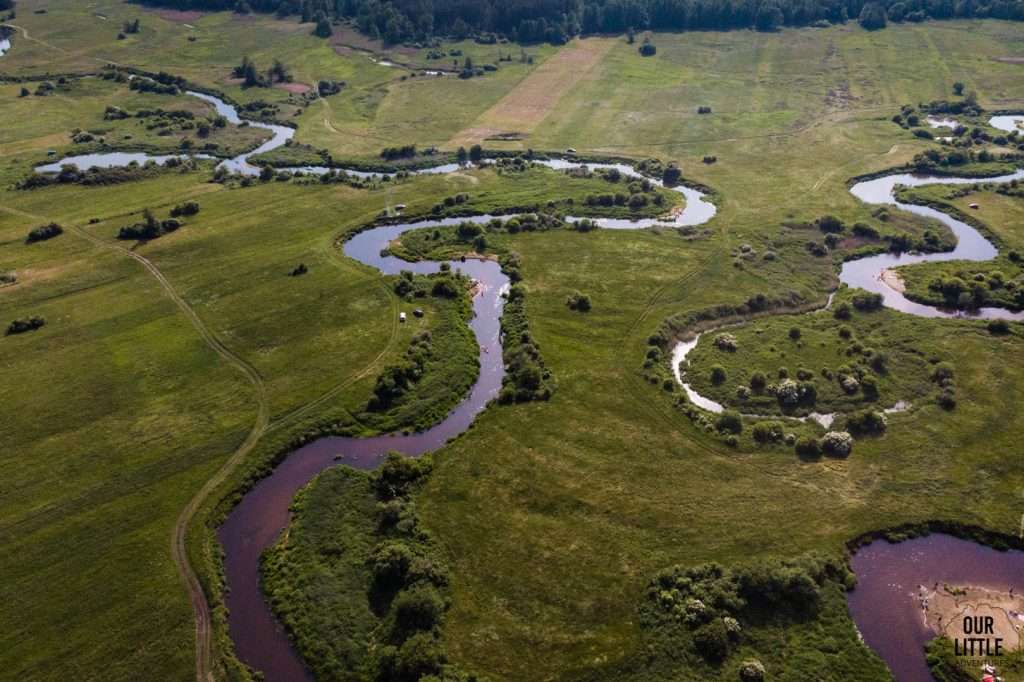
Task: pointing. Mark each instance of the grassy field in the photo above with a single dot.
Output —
(552, 516)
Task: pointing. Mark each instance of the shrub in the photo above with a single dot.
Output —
(943, 373)
(726, 342)
(418, 608)
(998, 327)
(421, 655)
(837, 443)
(829, 223)
(718, 374)
(867, 421)
(758, 381)
(729, 421)
(767, 432)
(44, 232)
(578, 302)
(947, 400)
(671, 175)
(842, 311)
(28, 324)
(189, 208)
(867, 301)
(794, 333)
(806, 446)
(390, 563)
(712, 640)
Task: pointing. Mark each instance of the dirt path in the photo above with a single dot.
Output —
(26, 36)
(179, 553)
(523, 108)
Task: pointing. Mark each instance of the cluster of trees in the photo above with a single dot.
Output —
(44, 232)
(396, 380)
(70, 174)
(252, 77)
(526, 377)
(409, 578)
(149, 227)
(404, 152)
(710, 605)
(558, 20)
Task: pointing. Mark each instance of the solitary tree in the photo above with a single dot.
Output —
(872, 17)
(323, 27)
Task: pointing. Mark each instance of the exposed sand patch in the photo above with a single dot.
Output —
(294, 88)
(893, 280)
(523, 108)
(946, 607)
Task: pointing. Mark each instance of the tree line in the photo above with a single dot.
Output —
(558, 20)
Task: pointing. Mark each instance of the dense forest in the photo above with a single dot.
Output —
(557, 20)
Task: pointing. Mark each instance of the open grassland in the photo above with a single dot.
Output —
(552, 516)
(38, 125)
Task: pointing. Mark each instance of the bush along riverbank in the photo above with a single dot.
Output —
(751, 622)
(968, 285)
(360, 585)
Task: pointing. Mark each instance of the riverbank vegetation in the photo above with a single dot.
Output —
(438, 367)
(751, 621)
(966, 285)
(361, 586)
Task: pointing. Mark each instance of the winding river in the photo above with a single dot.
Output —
(258, 519)
(866, 273)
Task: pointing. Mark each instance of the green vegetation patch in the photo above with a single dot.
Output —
(996, 210)
(440, 363)
(358, 582)
(852, 357)
(769, 619)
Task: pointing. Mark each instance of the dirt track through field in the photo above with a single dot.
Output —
(529, 102)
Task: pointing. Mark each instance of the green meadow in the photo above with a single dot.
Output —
(188, 363)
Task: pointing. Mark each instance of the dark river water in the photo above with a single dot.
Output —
(884, 605)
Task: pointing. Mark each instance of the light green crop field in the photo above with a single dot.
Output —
(553, 516)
